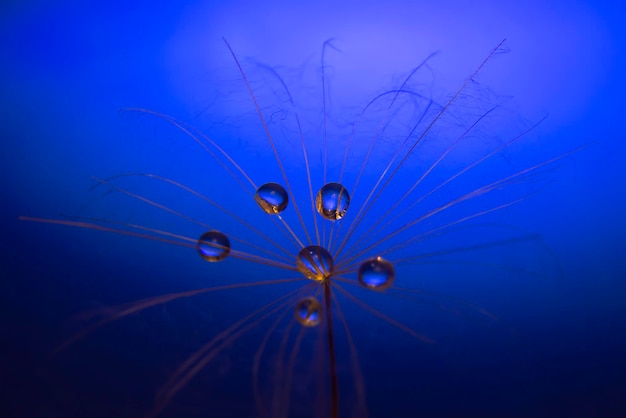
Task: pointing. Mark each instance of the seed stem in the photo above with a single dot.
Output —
(334, 383)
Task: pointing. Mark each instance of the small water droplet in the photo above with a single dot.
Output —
(314, 262)
(213, 246)
(332, 201)
(272, 198)
(377, 274)
(308, 312)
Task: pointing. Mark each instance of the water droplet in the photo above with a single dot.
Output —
(314, 262)
(213, 246)
(332, 201)
(308, 312)
(377, 274)
(272, 198)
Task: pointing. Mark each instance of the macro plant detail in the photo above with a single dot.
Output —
(348, 224)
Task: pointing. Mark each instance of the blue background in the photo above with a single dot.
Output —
(69, 67)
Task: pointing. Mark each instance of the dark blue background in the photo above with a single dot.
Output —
(68, 67)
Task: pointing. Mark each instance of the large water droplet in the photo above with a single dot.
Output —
(314, 262)
(272, 198)
(332, 201)
(377, 274)
(213, 246)
(308, 312)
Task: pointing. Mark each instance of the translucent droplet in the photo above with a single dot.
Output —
(308, 312)
(272, 198)
(213, 246)
(314, 262)
(332, 201)
(377, 274)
